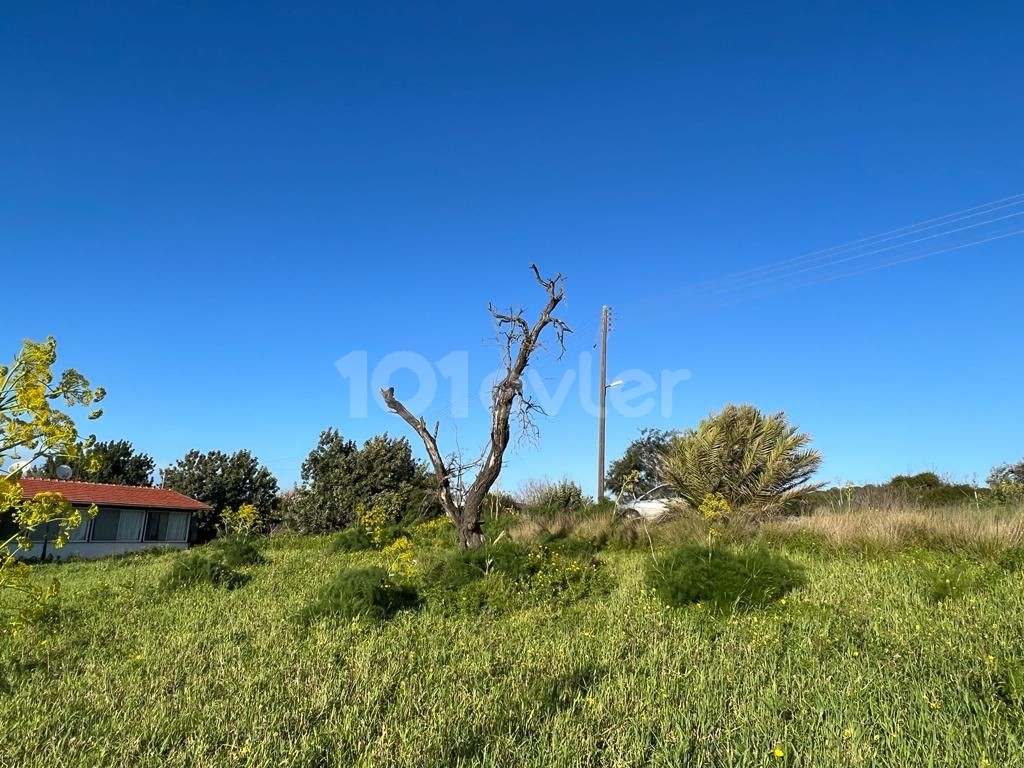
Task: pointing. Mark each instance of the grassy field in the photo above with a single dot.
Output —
(910, 657)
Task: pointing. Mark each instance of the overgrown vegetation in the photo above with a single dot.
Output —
(724, 579)
(322, 656)
(199, 568)
(361, 593)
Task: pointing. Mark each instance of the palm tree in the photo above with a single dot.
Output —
(759, 463)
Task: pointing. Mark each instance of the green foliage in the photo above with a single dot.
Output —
(338, 477)
(367, 593)
(507, 575)
(438, 533)
(463, 566)
(237, 551)
(242, 521)
(352, 539)
(1012, 559)
(855, 669)
(929, 490)
(1008, 682)
(375, 526)
(919, 483)
(115, 462)
(724, 579)
(567, 545)
(925, 490)
(950, 495)
(1007, 483)
(31, 427)
(636, 471)
(197, 568)
(758, 463)
(224, 481)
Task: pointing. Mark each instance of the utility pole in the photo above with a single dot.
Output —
(603, 383)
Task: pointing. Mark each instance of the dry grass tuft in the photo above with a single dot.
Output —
(984, 531)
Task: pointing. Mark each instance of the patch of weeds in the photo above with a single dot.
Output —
(438, 533)
(196, 568)
(1009, 684)
(508, 575)
(955, 580)
(723, 579)
(805, 542)
(368, 593)
(238, 551)
(357, 538)
(353, 539)
(566, 545)
(1012, 560)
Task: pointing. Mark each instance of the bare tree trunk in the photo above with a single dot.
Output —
(471, 533)
(520, 340)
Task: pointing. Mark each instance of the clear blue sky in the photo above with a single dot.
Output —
(209, 206)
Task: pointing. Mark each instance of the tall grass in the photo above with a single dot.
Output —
(984, 531)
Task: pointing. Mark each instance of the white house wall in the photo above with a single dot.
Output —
(131, 528)
(101, 548)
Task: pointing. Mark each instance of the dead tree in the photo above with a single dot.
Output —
(519, 340)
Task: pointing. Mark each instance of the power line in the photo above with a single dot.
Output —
(920, 256)
(854, 257)
(893, 234)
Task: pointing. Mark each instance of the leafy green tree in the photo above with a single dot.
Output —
(1007, 482)
(636, 472)
(338, 477)
(224, 481)
(759, 463)
(32, 428)
(115, 462)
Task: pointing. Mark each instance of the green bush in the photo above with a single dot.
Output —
(722, 578)
(508, 575)
(566, 544)
(356, 538)
(438, 533)
(238, 551)
(463, 566)
(352, 539)
(196, 568)
(368, 593)
(949, 495)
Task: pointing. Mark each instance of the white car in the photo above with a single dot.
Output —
(653, 505)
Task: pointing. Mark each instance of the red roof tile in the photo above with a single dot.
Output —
(110, 495)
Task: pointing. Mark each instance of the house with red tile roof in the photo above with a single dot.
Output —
(130, 518)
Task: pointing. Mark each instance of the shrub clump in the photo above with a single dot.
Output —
(375, 527)
(368, 593)
(353, 539)
(196, 568)
(438, 533)
(722, 578)
(508, 575)
(237, 551)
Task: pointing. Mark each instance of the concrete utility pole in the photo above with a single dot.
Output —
(603, 384)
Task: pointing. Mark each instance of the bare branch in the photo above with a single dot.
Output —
(441, 471)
